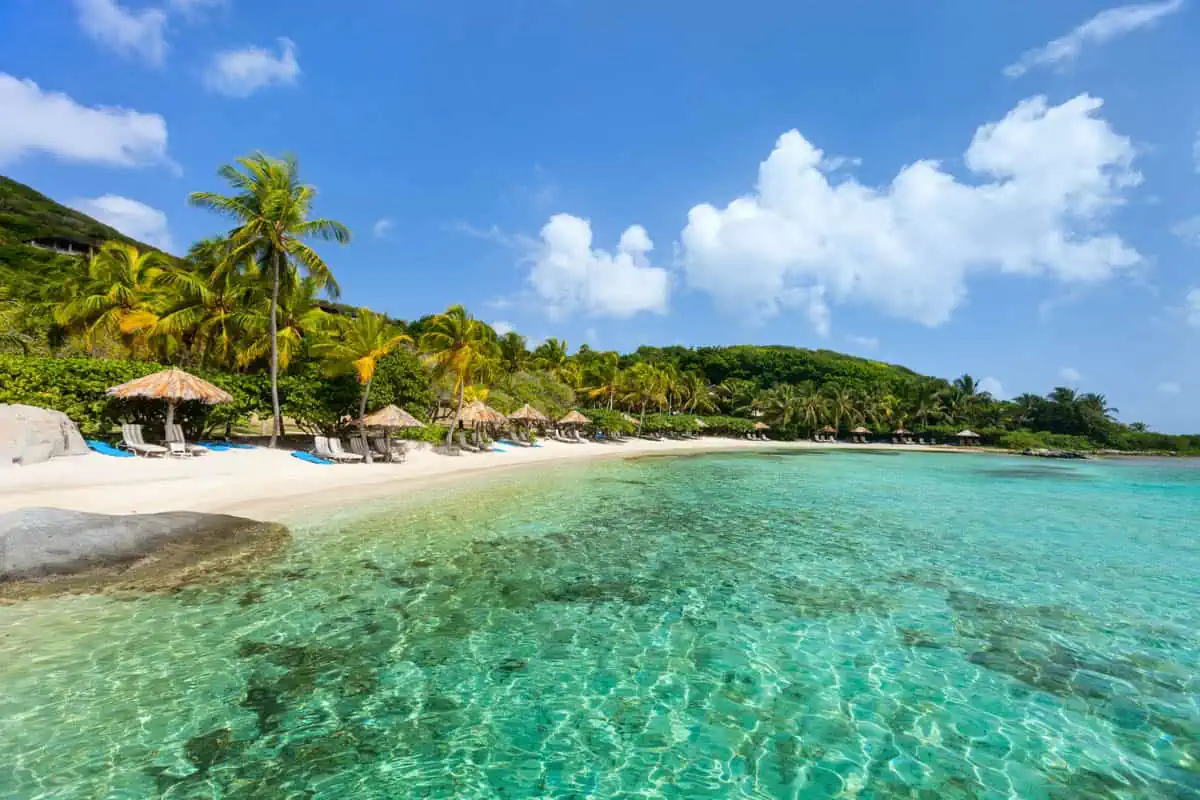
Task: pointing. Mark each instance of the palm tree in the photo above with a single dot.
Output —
(456, 344)
(117, 296)
(513, 352)
(840, 404)
(646, 385)
(209, 298)
(272, 210)
(606, 374)
(737, 395)
(551, 355)
(813, 408)
(12, 314)
(301, 323)
(783, 406)
(695, 395)
(362, 341)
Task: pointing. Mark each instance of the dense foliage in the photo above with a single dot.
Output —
(246, 311)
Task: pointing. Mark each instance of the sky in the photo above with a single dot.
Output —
(1006, 188)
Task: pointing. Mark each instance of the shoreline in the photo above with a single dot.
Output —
(271, 486)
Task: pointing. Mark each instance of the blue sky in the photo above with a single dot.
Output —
(1005, 188)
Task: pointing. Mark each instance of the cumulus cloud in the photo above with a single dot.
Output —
(1110, 24)
(1049, 175)
(132, 218)
(1070, 374)
(138, 34)
(569, 276)
(502, 327)
(193, 8)
(1192, 308)
(1169, 387)
(1188, 230)
(381, 227)
(51, 122)
(241, 73)
(993, 387)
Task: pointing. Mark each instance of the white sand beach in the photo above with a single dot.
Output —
(272, 485)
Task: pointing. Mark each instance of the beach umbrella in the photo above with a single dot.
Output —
(391, 417)
(474, 413)
(860, 430)
(829, 429)
(629, 419)
(967, 433)
(574, 418)
(761, 426)
(901, 431)
(173, 385)
(529, 415)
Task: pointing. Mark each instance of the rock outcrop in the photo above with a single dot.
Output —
(51, 550)
(30, 435)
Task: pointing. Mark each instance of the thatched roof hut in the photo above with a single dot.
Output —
(528, 415)
(574, 418)
(391, 416)
(861, 431)
(480, 413)
(173, 385)
(967, 436)
(829, 429)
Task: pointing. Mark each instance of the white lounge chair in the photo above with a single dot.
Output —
(323, 448)
(397, 453)
(335, 445)
(460, 438)
(175, 436)
(131, 440)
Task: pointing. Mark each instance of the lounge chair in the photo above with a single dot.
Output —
(335, 445)
(397, 453)
(460, 438)
(131, 440)
(323, 447)
(175, 436)
(356, 447)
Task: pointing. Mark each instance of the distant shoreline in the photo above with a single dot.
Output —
(272, 486)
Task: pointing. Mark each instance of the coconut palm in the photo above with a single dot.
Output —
(272, 207)
(12, 314)
(360, 343)
(301, 324)
(513, 352)
(606, 377)
(840, 404)
(116, 297)
(645, 385)
(736, 395)
(783, 405)
(456, 345)
(695, 395)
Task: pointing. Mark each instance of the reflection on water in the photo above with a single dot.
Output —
(712, 627)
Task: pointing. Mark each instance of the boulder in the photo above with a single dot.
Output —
(30, 435)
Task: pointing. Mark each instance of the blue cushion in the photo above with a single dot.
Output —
(309, 457)
(107, 449)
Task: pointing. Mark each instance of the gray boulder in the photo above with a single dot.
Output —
(30, 435)
(40, 542)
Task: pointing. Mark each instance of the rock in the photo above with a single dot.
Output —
(63, 550)
(30, 435)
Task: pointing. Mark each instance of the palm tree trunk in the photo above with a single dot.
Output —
(276, 414)
(611, 394)
(462, 388)
(362, 412)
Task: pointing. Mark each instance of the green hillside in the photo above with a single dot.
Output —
(26, 215)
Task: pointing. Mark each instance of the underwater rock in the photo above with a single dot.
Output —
(51, 551)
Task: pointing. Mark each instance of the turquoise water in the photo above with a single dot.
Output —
(807, 625)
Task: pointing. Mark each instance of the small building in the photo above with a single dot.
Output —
(63, 245)
(967, 437)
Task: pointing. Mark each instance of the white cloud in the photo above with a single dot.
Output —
(1104, 27)
(865, 342)
(241, 73)
(140, 34)
(1169, 387)
(569, 276)
(1050, 176)
(135, 220)
(1193, 308)
(1188, 230)
(1070, 374)
(51, 122)
(381, 227)
(192, 8)
(502, 327)
(993, 387)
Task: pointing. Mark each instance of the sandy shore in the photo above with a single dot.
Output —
(272, 485)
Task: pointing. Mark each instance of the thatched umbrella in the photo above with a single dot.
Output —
(389, 418)
(475, 413)
(761, 426)
(173, 385)
(967, 436)
(701, 424)
(529, 415)
(574, 418)
(860, 433)
(629, 419)
(829, 429)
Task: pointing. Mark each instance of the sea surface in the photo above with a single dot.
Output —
(802, 625)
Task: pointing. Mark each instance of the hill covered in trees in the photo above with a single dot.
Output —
(71, 325)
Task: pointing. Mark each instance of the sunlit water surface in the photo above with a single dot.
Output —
(806, 625)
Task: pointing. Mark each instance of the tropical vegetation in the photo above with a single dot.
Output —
(253, 311)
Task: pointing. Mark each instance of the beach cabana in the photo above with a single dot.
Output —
(828, 434)
(389, 418)
(860, 434)
(760, 427)
(901, 436)
(967, 437)
(173, 385)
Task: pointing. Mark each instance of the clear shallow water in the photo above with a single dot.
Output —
(808, 625)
